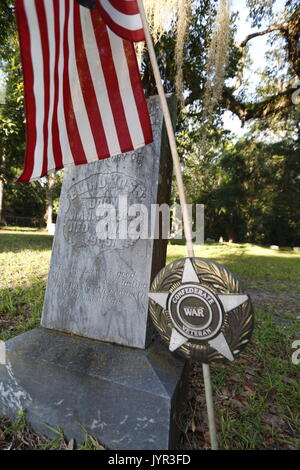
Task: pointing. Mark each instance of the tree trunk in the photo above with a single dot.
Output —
(49, 199)
(1, 198)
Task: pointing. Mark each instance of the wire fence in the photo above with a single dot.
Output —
(18, 221)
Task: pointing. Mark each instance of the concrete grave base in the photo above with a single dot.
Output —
(126, 398)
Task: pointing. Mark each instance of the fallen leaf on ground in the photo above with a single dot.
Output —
(272, 420)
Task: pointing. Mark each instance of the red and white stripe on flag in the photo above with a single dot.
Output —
(123, 17)
(83, 93)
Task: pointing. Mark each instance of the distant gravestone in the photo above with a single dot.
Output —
(98, 288)
(51, 229)
(274, 247)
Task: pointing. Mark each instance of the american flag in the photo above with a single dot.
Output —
(123, 17)
(83, 93)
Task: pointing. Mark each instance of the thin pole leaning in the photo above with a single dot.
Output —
(182, 198)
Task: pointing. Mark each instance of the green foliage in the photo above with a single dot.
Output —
(19, 199)
(12, 131)
(7, 29)
(250, 189)
(260, 10)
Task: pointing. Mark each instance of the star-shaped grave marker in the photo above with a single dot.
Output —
(196, 312)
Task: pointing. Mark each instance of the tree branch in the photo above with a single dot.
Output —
(275, 27)
(246, 111)
(282, 101)
(290, 30)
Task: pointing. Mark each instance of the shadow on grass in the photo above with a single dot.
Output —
(25, 241)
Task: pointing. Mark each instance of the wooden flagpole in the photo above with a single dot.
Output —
(182, 197)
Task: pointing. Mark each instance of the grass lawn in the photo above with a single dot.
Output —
(257, 398)
(24, 264)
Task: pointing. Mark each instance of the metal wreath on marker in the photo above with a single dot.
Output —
(199, 309)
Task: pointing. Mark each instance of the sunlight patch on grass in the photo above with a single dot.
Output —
(249, 262)
(14, 228)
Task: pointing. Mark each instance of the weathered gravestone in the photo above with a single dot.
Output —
(97, 287)
(94, 362)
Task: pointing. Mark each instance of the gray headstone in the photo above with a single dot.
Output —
(126, 398)
(99, 288)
